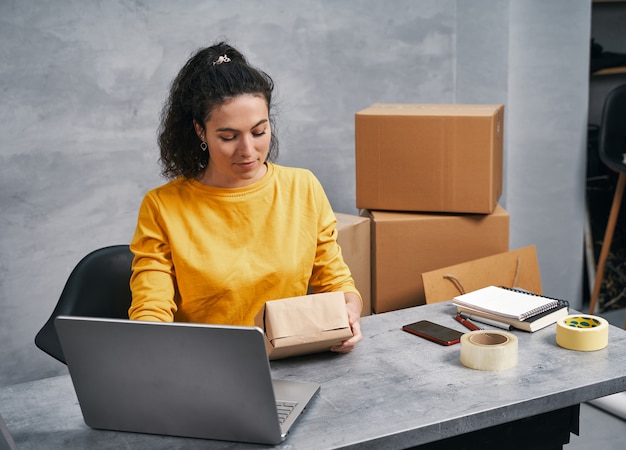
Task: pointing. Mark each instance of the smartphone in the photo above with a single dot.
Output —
(434, 332)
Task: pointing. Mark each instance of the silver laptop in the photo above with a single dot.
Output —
(179, 379)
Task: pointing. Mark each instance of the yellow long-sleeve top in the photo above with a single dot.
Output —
(212, 255)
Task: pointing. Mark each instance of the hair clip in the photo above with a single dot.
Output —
(221, 59)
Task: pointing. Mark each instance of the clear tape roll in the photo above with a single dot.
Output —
(582, 332)
(488, 350)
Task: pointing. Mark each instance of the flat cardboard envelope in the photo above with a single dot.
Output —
(307, 324)
(516, 268)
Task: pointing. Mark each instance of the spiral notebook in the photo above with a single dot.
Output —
(505, 302)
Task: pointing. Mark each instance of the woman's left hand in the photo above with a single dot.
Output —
(353, 305)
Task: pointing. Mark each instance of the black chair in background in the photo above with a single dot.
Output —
(612, 151)
(99, 286)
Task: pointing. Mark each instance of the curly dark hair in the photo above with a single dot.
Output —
(200, 87)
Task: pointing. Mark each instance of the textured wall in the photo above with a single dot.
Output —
(548, 86)
(82, 83)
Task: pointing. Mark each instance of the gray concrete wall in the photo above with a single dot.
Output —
(82, 84)
(548, 84)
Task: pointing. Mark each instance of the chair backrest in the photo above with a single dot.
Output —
(612, 141)
(99, 286)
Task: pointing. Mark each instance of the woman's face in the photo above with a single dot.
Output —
(238, 137)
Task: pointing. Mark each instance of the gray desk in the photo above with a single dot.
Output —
(395, 391)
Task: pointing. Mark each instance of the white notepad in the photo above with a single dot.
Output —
(506, 302)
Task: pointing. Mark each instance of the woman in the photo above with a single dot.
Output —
(231, 230)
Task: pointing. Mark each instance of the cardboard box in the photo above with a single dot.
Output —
(515, 269)
(354, 238)
(429, 158)
(301, 325)
(405, 245)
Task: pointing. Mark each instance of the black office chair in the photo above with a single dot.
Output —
(99, 286)
(612, 150)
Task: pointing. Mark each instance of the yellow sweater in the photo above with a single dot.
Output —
(213, 255)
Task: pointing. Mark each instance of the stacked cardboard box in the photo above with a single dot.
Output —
(429, 178)
(354, 237)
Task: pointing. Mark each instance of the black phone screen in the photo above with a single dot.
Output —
(434, 332)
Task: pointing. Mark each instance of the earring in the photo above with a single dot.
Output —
(203, 146)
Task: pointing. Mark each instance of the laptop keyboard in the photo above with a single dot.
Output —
(284, 409)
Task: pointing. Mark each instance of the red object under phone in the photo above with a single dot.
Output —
(466, 323)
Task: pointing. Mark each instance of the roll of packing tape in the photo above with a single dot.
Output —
(582, 332)
(488, 350)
